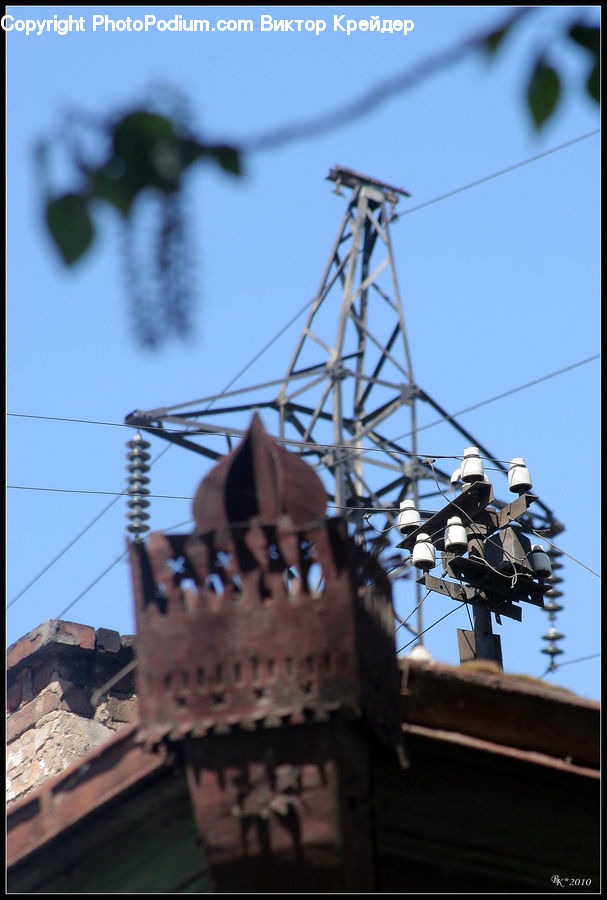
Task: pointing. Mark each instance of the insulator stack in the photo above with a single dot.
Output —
(138, 459)
(553, 607)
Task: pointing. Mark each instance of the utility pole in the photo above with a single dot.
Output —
(502, 567)
(349, 380)
(369, 355)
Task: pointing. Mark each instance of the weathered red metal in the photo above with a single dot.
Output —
(513, 711)
(285, 809)
(246, 666)
(259, 479)
(251, 640)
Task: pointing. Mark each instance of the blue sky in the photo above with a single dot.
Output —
(499, 282)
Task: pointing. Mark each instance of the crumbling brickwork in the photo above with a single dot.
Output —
(52, 674)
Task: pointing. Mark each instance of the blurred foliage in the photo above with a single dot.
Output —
(590, 38)
(544, 83)
(543, 92)
(146, 152)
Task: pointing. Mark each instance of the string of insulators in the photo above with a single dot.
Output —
(552, 607)
(137, 466)
(540, 562)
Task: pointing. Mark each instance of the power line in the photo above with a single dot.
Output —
(24, 487)
(227, 433)
(287, 326)
(568, 555)
(451, 611)
(69, 419)
(92, 584)
(380, 93)
(65, 549)
(349, 509)
(569, 662)
(521, 387)
(505, 171)
(178, 525)
(421, 457)
(302, 443)
(169, 497)
(107, 571)
(155, 460)
(299, 443)
(414, 610)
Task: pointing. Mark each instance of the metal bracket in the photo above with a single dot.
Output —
(516, 587)
(466, 594)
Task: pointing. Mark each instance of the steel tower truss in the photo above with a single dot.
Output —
(347, 388)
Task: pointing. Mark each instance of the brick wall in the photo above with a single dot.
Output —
(51, 674)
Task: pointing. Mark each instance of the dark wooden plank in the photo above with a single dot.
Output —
(145, 841)
(460, 820)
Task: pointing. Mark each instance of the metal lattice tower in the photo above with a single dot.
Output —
(366, 369)
(349, 386)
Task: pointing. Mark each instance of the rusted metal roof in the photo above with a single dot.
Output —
(503, 716)
(512, 711)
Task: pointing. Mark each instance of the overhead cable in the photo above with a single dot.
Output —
(106, 571)
(227, 433)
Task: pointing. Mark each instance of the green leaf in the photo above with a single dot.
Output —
(228, 158)
(143, 144)
(493, 40)
(586, 36)
(70, 226)
(112, 185)
(543, 92)
(589, 37)
(190, 150)
(139, 130)
(593, 84)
